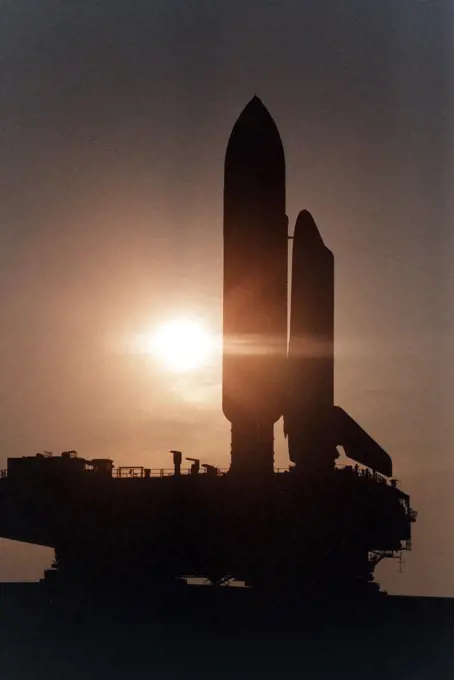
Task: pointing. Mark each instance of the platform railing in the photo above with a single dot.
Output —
(140, 472)
(125, 472)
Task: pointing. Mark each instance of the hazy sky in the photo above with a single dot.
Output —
(114, 122)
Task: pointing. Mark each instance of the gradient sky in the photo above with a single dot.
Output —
(114, 122)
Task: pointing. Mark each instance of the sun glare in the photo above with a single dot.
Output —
(182, 345)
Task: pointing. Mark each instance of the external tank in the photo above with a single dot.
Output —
(255, 286)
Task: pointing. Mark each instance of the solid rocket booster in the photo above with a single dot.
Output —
(255, 287)
(310, 366)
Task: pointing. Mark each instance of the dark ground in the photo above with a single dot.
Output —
(223, 633)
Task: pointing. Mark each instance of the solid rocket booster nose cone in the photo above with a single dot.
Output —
(306, 230)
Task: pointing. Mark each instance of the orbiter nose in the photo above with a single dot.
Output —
(306, 231)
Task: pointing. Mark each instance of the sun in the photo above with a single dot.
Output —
(182, 345)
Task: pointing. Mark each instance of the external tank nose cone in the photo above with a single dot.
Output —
(254, 171)
(254, 108)
(255, 126)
